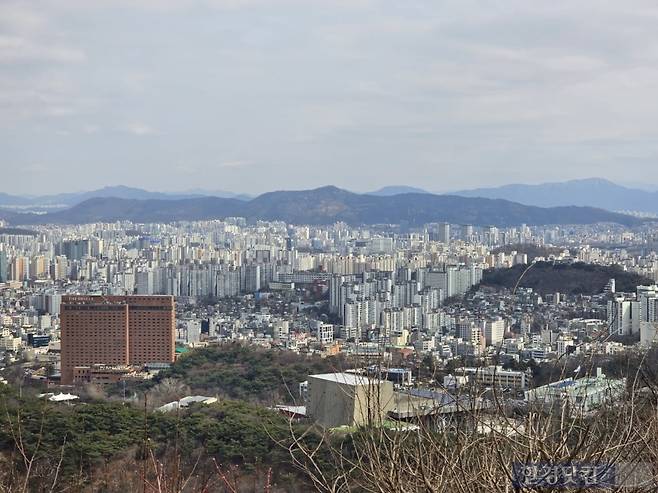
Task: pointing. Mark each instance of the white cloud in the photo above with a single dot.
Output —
(238, 163)
(19, 17)
(184, 168)
(14, 49)
(139, 129)
(26, 35)
(90, 128)
(35, 168)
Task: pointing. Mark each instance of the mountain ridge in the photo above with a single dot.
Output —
(587, 192)
(324, 205)
(69, 199)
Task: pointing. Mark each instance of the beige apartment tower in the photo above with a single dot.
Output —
(116, 330)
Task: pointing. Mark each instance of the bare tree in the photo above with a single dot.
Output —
(480, 445)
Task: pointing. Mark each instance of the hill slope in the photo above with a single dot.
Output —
(592, 192)
(325, 206)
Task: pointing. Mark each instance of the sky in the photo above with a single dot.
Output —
(257, 95)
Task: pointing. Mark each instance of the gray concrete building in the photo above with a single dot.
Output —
(337, 399)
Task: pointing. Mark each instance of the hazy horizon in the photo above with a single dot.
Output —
(250, 96)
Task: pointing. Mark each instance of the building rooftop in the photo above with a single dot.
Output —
(62, 397)
(585, 384)
(345, 378)
(186, 401)
(296, 410)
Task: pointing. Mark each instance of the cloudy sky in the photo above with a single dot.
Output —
(256, 95)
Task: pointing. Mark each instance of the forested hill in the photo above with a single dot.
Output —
(577, 278)
(246, 372)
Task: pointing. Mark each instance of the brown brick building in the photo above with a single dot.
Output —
(116, 330)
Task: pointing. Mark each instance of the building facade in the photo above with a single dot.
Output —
(116, 331)
(347, 399)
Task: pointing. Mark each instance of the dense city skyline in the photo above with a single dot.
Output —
(250, 96)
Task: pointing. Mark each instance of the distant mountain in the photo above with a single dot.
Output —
(590, 192)
(120, 192)
(396, 190)
(202, 192)
(152, 210)
(325, 206)
(647, 187)
(13, 200)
